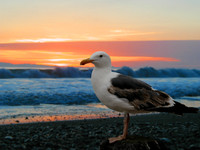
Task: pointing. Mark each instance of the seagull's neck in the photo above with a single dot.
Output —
(100, 72)
(102, 69)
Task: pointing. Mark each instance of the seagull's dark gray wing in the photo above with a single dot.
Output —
(126, 82)
(143, 97)
(139, 93)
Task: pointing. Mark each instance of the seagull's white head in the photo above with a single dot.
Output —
(100, 59)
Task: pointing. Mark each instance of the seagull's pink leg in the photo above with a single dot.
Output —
(125, 130)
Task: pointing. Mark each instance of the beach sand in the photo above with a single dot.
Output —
(178, 132)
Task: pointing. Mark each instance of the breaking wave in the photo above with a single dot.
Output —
(152, 72)
(73, 91)
(72, 72)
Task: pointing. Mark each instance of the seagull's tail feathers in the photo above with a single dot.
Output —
(177, 108)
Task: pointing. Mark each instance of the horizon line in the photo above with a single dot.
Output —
(35, 66)
(96, 41)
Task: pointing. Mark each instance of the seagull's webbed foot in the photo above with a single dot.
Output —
(115, 139)
(125, 131)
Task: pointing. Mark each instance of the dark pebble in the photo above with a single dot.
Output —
(179, 132)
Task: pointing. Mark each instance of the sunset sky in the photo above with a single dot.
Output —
(135, 33)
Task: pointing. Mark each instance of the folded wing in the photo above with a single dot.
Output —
(138, 93)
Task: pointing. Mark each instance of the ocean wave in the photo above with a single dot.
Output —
(72, 72)
(68, 72)
(72, 91)
(46, 91)
(152, 72)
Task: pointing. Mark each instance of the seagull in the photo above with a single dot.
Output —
(128, 95)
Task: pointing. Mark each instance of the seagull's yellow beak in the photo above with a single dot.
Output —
(86, 61)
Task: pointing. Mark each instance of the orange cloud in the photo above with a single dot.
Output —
(64, 58)
(41, 57)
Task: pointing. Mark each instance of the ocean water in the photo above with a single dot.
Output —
(71, 72)
(49, 99)
(78, 91)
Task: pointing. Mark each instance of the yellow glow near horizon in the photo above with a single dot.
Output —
(43, 40)
(64, 58)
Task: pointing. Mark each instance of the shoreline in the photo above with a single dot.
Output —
(52, 112)
(55, 118)
(180, 132)
(58, 118)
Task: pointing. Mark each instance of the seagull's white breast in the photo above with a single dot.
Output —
(101, 81)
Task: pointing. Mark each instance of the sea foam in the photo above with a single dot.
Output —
(79, 91)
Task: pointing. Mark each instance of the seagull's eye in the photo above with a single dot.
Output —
(100, 55)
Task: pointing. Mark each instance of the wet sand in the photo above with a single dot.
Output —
(178, 132)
